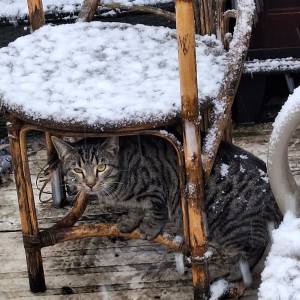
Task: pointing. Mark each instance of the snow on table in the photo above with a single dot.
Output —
(19, 8)
(102, 73)
(281, 276)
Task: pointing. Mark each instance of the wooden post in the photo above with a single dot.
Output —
(26, 208)
(204, 20)
(57, 183)
(227, 137)
(197, 16)
(192, 144)
(36, 14)
(88, 10)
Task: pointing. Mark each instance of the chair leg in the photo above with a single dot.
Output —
(27, 210)
(195, 200)
(57, 186)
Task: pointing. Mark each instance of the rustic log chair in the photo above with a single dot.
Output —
(20, 121)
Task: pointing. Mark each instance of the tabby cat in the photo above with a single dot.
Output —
(141, 174)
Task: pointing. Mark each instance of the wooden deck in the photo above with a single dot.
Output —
(99, 268)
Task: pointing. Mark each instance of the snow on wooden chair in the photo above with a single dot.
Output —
(58, 80)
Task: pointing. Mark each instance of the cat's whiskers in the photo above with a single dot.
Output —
(108, 192)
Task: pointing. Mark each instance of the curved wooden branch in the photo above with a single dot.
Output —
(75, 213)
(236, 55)
(142, 8)
(52, 236)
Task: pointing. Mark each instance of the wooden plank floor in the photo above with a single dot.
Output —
(98, 268)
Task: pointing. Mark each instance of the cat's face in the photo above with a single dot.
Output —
(90, 167)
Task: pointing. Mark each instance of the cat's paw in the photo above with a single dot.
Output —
(127, 223)
(150, 231)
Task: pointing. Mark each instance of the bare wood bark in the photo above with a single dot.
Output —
(75, 213)
(88, 10)
(52, 236)
(227, 137)
(36, 14)
(197, 16)
(192, 141)
(26, 206)
(205, 16)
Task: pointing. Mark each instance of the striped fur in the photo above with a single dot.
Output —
(142, 175)
(240, 207)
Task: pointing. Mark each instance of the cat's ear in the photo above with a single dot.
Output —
(111, 145)
(62, 148)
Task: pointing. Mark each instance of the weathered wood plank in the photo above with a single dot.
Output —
(142, 292)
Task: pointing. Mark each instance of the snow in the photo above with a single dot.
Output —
(291, 106)
(272, 65)
(241, 156)
(224, 170)
(18, 8)
(217, 289)
(281, 276)
(263, 176)
(98, 73)
(179, 261)
(191, 189)
(208, 254)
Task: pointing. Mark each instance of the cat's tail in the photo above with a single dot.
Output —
(282, 182)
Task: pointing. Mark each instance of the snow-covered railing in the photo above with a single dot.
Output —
(276, 65)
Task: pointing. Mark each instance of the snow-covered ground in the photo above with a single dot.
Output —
(281, 276)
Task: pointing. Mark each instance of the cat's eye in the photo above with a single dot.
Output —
(77, 170)
(101, 167)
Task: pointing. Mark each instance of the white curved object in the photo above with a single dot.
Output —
(282, 182)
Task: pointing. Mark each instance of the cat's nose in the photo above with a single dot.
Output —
(90, 182)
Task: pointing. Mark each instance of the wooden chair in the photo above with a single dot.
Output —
(194, 164)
